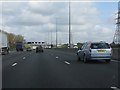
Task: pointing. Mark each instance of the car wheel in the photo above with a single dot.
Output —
(107, 61)
(84, 59)
(78, 58)
(7, 51)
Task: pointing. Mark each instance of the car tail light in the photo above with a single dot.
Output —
(111, 51)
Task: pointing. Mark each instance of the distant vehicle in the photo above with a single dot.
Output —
(34, 47)
(29, 49)
(39, 49)
(95, 51)
(19, 46)
(4, 46)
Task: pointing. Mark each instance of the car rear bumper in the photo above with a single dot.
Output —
(101, 58)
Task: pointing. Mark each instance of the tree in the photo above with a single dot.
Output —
(19, 38)
(12, 39)
(79, 45)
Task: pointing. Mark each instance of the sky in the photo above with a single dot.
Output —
(37, 21)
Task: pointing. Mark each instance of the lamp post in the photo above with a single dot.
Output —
(51, 39)
(56, 33)
(69, 26)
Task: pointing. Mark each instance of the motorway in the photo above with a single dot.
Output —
(56, 69)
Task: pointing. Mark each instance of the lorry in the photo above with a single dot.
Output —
(4, 45)
(19, 46)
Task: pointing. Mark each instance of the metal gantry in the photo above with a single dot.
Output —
(116, 39)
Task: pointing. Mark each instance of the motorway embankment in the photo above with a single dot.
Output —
(115, 52)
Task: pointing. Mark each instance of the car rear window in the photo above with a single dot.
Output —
(100, 46)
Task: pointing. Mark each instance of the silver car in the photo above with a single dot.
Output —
(95, 51)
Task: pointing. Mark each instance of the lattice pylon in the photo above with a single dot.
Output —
(116, 39)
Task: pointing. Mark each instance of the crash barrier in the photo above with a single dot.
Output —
(115, 52)
(71, 50)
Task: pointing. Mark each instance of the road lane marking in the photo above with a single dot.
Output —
(57, 57)
(115, 88)
(24, 57)
(115, 61)
(14, 64)
(67, 62)
(75, 54)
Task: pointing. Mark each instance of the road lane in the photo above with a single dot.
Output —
(9, 59)
(93, 71)
(44, 70)
(38, 71)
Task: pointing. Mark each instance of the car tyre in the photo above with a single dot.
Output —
(84, 59)
(17, 50)
(78, 58)
(107, 61)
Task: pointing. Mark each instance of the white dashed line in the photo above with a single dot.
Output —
(115, 88)
(24, 57)
(14, 64)
(75, 54)
(67, 62)
(57, 57)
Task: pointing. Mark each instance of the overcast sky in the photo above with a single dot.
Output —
(36, 21)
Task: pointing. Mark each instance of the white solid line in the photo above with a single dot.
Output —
(67, 62)
(14, 64)
(115, 61)
(115, 88)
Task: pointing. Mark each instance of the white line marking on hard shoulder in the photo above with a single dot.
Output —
(67, 62)
(14, 64)
(115, 88)
(115, 61)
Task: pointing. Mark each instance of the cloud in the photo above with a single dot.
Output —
(46, 8)
(35, 20)
(12, 8)
(29, 19)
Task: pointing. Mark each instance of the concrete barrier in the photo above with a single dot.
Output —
(115, 52)
(73, 50)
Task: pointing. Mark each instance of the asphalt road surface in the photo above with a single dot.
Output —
(56, 69)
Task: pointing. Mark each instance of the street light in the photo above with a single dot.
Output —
(56, 33)
(57, 30)
(69, 26)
